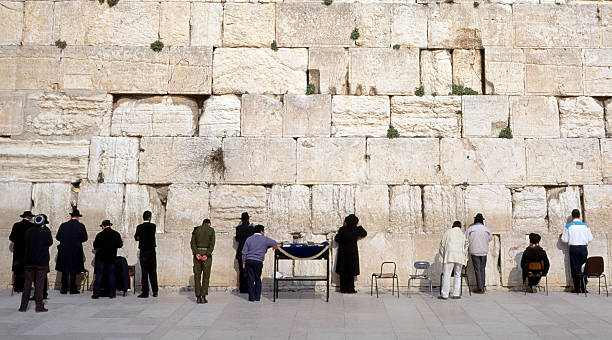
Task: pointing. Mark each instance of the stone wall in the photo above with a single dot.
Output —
(219, 122)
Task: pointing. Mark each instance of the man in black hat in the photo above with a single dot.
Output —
(534, 253)
(243, 231)
(70, 256)
(479, 236)
(38, 239)
(105, 245)
(18, 238)
(145, 235)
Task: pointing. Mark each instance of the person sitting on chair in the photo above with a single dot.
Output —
(534, 254)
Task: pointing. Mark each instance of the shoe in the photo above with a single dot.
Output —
(31, 298)
(204, 299)
(351, 292)
(112, 296)
(23, 309)
(455, 297)
(199, 299)
(442, 297)
(478, 291)
(95, 297)
(42, 310)
(143, 295)
(75, 292)
(45, 297)
(155, 294)
(63, 292)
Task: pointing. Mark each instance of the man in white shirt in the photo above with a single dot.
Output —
(479, 236)
(578, 235)
(453, 251)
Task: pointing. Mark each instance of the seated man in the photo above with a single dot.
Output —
(534, 253)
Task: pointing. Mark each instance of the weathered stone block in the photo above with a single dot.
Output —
(482, 161)
(556, 71)
(249, 25)
(608, 117)
(504, 71)
(426, 116)
(563, 161)
(328, 160)
(221, 116)
(261, 116)
(289, 211)
(581, 117)
(307, 115)
(188, 205)
(36, 68)
(332, 65)
(206, 24)
(405, 209)
(169, 270)
(140, 198)
(372, 207)
(15, 198)
(606, 159)
(529, 210)
(442, 205)
(409, 25)
(190, 70)
(309, 24)
(260, 160)
(597, 72)
(113, 160)
(227, 202)
(436, 71)
(89, 198)
(11, 113)
(534, 116)
(54, 200)
(39, 161)
(597, 212)
(240, 70)
(377, 71)
(467, 69)
(174, 27)
(11, 19)
(361, 116)
(494, 202)
(8, 67)
(38, 23)
(512, 247)
(371, 255)
(484, 116)
(561, 201)
(177, 159)
(389, 163)
(374, 24)
(154, 116)
(330, 205)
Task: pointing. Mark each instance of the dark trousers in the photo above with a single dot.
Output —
(102, 270)
(253, 274)
(201, 275)
(148, 267)
(347, 283)
(578, 256)
(36, 274)
(480, 264)
(69, 277)
(242, 279)
(18, 280)
(532, 279)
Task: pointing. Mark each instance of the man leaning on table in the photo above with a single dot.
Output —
(253, 255)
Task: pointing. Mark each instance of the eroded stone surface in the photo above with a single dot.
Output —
(89, 198)
(383, 71)
(529, 210)
(494, 202)
(35, 68)
(484, 116)
(174, 24)
(442, 205)
(54, 200)
(113, 160)
(307, 115)
(360, 116)
(504, 71)
(11, 113)
(11, 22)
(227, 202)
(15, 198)
(138, 199)
(330, 205)
(187, 207)
(581, 117)
(221, 116)
(534, 116)
(512, 247)
(390, 163)
(409, 25)
(561, 201)
(597, 74)
(426, 116)
(289, 210)
(260, 160)
(190, 70)
(467, 69)
(606, 159)
(374, 24)
(372, 207)
(331, 160)
(556, 71)
(248, 24)
(38, 23)
(597, 203)
(261, 116)
(436, 71)
(206, 24)
(405, 213)
(332, 65)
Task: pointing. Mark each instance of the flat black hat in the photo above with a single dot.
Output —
(106, 223)
(479, 217)
(244, 216)
(26, 214)
(76, 213)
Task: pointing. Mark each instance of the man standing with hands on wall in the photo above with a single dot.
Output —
(578, 235)
(479, 236)
(202, 245)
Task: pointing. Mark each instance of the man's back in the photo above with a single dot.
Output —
(577, 233)
(243, 232)
(256, 246)
(17, 236)
(535, 254)
(37, 241)
(145, 235)
(71, 233)
(203, 237)
(106, 243)
(478, 236)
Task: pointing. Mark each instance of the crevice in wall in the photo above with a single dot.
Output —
(483, 80)
(422, 187)
(582, 210)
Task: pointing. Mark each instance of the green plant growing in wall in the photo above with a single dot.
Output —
(434, 93)
(460, 90)
(476, 4)
(506, 133)
(396, 47)
(112, 3)
(157, 46)
(274, 46)
(310, 89)
(328, 2)
(101, 1)
(419, 91)
(100, 177)
(392, 132)
(355, 34)
(61, 44)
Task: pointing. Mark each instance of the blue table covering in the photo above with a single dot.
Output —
(304, 250)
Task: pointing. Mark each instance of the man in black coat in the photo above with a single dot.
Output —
(37, 242)
(18, 238)
(145, 235)
(243, 231)
(106, 244)
(534, 253)
(70, 256)
(347, 262)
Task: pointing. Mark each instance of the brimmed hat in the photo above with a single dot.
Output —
(106, 223)
(26, 214)
(76, 213)
(479, 218)
(244, 216)
(41, 219)
(534, 238)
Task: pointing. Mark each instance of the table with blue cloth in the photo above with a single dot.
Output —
(302, 252)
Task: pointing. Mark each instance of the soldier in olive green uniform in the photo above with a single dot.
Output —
(202, 245)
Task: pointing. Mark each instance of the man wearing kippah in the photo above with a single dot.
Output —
(578, 235)
(534, 253)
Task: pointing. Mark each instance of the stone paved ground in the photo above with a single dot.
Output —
(175, 316)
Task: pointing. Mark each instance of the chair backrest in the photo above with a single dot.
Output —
(388, 263)
(594, 266)
(421, 265)
(535, 266)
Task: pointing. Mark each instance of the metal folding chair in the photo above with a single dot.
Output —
(467, 281)
(382, 275)
(423, 266)
(594, 268)
(85, 282)
(535, 268)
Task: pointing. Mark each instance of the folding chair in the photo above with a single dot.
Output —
(85, 282)
(594, 268)
(382, 275)
(424, 275)
(533, 270)
(467, 281)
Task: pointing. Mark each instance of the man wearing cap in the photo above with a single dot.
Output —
(453, 251)
(70, 256)
(479, 236)
(145, 235)
(578, 235)
(202, 245)
(253, 254)
(243, 231)
(534, 253)
(105, 245)
(17, 236)
(38, 239)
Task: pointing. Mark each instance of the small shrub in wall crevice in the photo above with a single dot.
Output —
(355, 34)
(61, 44)
(506, 133)
(157, 46)
(419, 91)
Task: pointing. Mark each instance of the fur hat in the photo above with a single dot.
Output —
(534, 238)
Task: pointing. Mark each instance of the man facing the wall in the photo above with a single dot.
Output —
(479, 236)
(145, 235)
(577, 235)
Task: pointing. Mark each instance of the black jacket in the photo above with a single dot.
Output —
(347, 262)
(106, 244)
(535, 254)
(145, 235)
(243, 232)
(38, 240)
(18, 238)
(70, 256)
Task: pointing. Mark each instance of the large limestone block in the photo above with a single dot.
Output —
(260, 160)
(332, 65)
(330, 205)
(534, 116)
(220, 116)
(6, 260)
(494, 202)
(378, 71)
(174, 28)
(605, 13)
(249, 25)
(556, 71)
(224, 267)
(357, 116)
(261, 116)
(36, 68)
(177, 160)
(426, 116)
(606, 159)
(173, 259)
(374, 24)
(561, 201)
(307, 115)
(38, 23)
(89, 199)
(492, 273)
(390, 163)
(484, 116)
(331, 160)
(8, 67)
(512, 247)
(206, 24)
(15, 198)
(140, 198)
(377, 248)
(529, 210)
(11, 19)
(482, 161)
(563, 161)
(190, 70)
(436, 71)
(227, 202)
(504, 71)
(405, 209)
(442, 205)
(154, 116)
(240, 70)
(289, 211)
(187, 206)
(54, 200)
(467, 69)
(597, 203)
(11, 113)
(40, 161)
(426, 249)
(113, 160)
(597, 74)
(77, 115)
(409, 25)
(558, 256)
(310, 24)
(550, 25)
(372, 207)
(581, 117)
